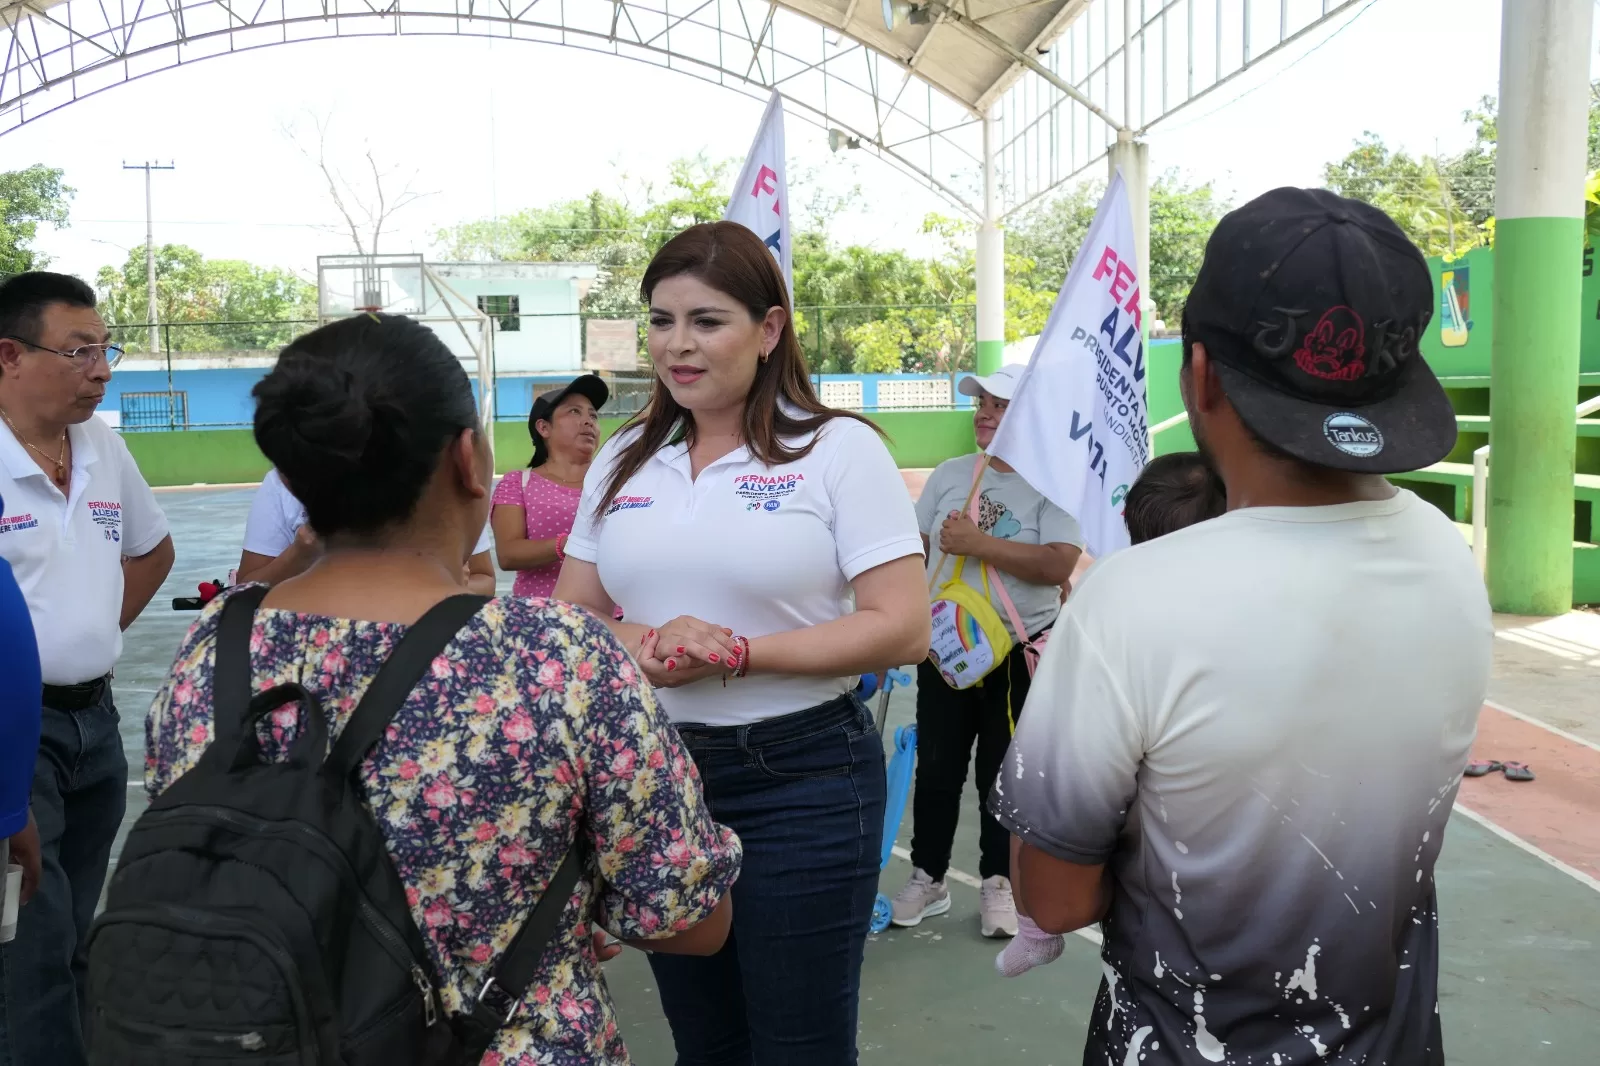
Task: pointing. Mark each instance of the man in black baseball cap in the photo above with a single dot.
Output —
(1310, 308)
(1243, 741)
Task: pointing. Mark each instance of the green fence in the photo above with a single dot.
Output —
(230, 456)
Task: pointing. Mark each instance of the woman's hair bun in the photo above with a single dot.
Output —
(355, 415)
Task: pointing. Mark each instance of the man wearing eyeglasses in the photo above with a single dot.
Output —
(89, 547)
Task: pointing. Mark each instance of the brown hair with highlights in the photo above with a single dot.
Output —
(781, 405)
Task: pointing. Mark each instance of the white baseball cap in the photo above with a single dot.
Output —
(1001, 384)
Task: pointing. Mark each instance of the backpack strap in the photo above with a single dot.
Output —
(500, 997)
(232, 687)
(388, 692)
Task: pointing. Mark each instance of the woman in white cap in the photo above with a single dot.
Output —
(1029, 546)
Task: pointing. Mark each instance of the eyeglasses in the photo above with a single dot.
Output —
(82, 356)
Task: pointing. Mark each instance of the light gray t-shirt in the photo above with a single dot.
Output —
(1260, 723)
(1010, 508)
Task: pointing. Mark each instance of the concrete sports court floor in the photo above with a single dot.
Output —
(1519, 880)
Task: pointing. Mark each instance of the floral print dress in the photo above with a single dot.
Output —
(533, 726)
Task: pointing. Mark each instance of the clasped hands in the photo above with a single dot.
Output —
(686, 650)
(960, 535)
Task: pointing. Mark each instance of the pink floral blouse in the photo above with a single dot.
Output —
(533, 726)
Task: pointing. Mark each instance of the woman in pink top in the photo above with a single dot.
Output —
(534, 508)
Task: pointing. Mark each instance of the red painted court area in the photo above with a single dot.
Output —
(1560, 811)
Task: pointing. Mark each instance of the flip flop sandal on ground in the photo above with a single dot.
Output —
(1480, 767)
(1516, 771)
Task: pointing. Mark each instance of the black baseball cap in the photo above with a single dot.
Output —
(589, 385)
(1311, 307)
(544, 406)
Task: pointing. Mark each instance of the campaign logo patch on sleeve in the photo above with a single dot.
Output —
(629, 503)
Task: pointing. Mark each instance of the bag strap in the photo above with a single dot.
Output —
(1011, 611)
(232, 687)
(500, 997)
(389, 690)
(1000, 586)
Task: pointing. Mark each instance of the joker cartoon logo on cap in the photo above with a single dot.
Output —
(1336, 349)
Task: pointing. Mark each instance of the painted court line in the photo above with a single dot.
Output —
(961, 877)
(1538, 853)
(1562, 733)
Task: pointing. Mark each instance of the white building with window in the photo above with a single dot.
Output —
(535, 307)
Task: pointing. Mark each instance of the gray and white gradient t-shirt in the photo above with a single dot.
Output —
(1260, 724)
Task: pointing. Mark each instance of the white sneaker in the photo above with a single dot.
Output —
(923, 897)
(998, 909)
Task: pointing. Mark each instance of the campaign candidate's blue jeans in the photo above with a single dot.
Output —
(805, 792)
(80, 790)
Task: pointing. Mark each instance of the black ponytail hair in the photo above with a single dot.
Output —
(541, 448)
(355, 416)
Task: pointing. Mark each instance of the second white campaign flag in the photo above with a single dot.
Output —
(1076, 428)
(760, 200)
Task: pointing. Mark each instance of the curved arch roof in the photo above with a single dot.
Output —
(947, 49)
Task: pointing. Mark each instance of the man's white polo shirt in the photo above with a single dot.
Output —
(754, 548)
(276, 516)
(67, 550)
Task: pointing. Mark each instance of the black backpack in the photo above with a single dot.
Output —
(255, 916)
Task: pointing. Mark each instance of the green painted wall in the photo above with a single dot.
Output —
(1472, 358)
(915, 438)
(1163, 360)
(230, 456)
(190, 457)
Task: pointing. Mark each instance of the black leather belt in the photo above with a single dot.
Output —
(76, 697)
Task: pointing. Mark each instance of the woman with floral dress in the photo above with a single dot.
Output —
(532, 732)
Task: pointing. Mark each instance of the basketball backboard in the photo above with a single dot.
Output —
(348, 284)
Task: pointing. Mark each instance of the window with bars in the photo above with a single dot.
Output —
(507, 311)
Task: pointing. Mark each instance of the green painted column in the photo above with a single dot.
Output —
(990, 267)
(1544, 104)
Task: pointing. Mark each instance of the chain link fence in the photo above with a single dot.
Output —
(180, 375)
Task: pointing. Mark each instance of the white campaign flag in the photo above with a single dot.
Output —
(760, 200)
(1076, 428)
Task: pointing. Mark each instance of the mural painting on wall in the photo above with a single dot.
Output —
(1455, 318)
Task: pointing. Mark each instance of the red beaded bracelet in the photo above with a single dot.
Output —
(561, 548)
(743, 653)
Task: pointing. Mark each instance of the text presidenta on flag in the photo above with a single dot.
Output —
(1077, 428)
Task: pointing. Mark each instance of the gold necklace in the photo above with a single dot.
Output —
(558, 480)
(60, 476)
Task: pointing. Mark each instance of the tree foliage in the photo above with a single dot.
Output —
(858, 308)
(1445, 204)
(27, 198)
(1182, 217)
(205, 304)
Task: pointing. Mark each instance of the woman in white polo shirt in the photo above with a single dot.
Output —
(732, 520)
(278, 544)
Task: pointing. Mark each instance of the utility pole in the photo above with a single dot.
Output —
(150, 248)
